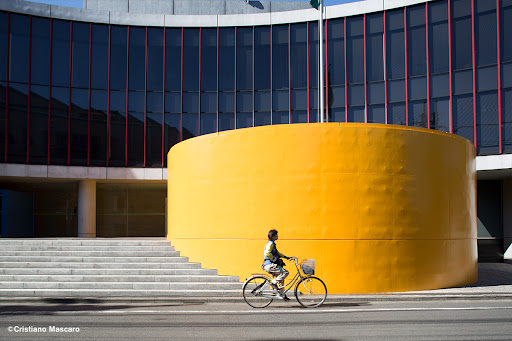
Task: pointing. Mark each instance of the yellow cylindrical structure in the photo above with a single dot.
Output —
(381, 208)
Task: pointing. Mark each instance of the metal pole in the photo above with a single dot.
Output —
(321, 63)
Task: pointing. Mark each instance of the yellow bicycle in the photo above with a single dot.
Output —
(310, 291)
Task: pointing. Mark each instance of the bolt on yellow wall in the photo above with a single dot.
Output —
(380, 208)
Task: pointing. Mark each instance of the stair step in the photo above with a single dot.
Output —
(118, 293)
(123, 285)
(20, 248)
(141, 259)
(180, 264)
(83, 267)
(84, 242)
(95, 253)
(116, 278)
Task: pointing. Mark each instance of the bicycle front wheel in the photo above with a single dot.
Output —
(311, 292)
(255, 290)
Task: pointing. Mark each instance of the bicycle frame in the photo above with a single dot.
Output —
(287, 287)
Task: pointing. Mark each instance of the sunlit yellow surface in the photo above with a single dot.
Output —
(379, 207)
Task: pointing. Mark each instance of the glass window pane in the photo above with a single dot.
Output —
(173, 102)
(336, 115)
(261, 58)
(262, 101)
(136, 101)
(59, 126)
(463, 121)
(226, 121)
(336, 97)
(227, 102)
(299, 116)
(80, 55)
(155, 59)
(416, 41)
(244, 58)
(461, 34)
(227, 59)
(60, 53)
(173, 59)
(280, 100)
(209, 102)
(280, 57)
(299, 99)
(79, 126)
(375, 47)
(280, 117)
(506, 30)
(244, 120)
(172, 127)
(376, 114)
(463, 82)
(244, 101)
(440, 114)
(355, 49)
(487, 78)
(208, 59)
(135, 139)
(356, 95)
(38, 124)
(262, 118)
(154, 140)
(396, 90)
(98, 140)
(395, 44)
(487, 123)
(137, 59)
(190, 125)
(417, 88)
(19, 48)
(418, 114)
(40, 60)
(506, 109)
(191, 102)
(117, 126)
(485, 32)
(154, 102)
(17, 124)
(313, 55)
(299, 54)
(3, 45)
(355, 114)
(376, 93)
(99, 57)
(438, 36)
(440, 85)
(396, 113)
(191, 59)
(208, 123)
(118, 57)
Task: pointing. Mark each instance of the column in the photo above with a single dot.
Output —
(87, 209)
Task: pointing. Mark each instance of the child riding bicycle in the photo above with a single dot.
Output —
(273, 264)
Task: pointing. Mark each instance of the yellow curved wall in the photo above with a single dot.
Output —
(379, 207)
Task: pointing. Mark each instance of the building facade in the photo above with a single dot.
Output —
(91, 100)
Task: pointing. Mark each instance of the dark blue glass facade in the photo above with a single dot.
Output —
(88, 94)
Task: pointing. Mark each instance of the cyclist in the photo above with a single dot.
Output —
(273, 264)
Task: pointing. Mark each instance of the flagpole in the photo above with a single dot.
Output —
(321, 64)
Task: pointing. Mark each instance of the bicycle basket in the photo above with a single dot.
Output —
(308, 266)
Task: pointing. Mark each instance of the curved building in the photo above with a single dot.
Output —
(91, 100)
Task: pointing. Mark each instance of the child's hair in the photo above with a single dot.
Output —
(271, 234)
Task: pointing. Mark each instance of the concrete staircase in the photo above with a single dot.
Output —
(96, 267)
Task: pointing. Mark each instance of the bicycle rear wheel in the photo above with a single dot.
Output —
(254, 290)
(311, 292)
